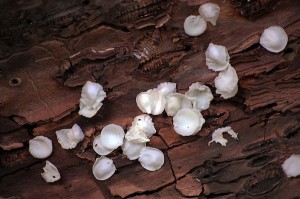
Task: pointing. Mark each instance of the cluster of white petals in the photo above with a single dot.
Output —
(51, 173)
(103, 168)
(40, 147)
(274, 39)
(153, 101)
(217, 135)
(69, 138)
(134, 146)
(92, 94)
(111, 137)
(201, 95)
(195, 25)
(217, 59)
(291, 166)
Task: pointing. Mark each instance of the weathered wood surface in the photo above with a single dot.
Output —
(48, 50)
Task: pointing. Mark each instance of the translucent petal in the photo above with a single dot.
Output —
(217, 57)
(188, 121)
(194, 25)
(175, 102)
(151, 159)
(202, 95)
(210, 12)
(167, 88)
(40, 147)
(132, 149)
(227, 81)
(103, 168)
(274, 39)
(51, 173)
(92, 95)
(217, 135)
(112, 136)
(291, 166)
(69, 138)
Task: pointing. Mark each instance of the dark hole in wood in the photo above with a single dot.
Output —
(15, 81)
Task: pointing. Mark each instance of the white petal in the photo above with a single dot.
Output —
(291, 166)
(88, 112)
(226, 81)
(112, 136)
(167, 88)
(132, 149)
(144, 123)
(217, 57)
(99, 147)
(160, 102)
(92, 95)
(227, 95)
(151, 159)
(188, 121)
(210, 12)
(274, 39)
(103, 168)
(40, 147)
(145, 102)
(151, 102)
(202, 95)
(194, 25)
(217, 135)
(175, 102)
(136, 136)
(69, 138)
(51, 173)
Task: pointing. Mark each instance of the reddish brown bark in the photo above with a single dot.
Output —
(50, 49)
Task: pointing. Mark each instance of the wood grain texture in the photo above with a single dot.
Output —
(49, 49)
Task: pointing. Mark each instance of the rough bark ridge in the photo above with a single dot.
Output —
(49, 49)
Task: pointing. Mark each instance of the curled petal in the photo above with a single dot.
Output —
(226, 82)
(151, 102)
(92, 95)
(167, 88)
(69, 138)
(144, 123)
(217, 135)
(51, 173)
(103, 168)
(217, 57)
(202, 95)
(194, 25)
(210, 12)
(175, 102)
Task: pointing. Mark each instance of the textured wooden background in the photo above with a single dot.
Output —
(49, 49)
